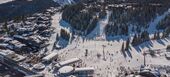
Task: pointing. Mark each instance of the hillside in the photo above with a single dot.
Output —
(111, 38)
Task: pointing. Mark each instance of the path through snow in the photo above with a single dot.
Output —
(152, 26)
(56, 25)
(99, 30)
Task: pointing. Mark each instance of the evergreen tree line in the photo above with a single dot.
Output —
(81, 18)
(164, 24)
(140, 17)
(77, 18)
(140, 38)
(137, 1)
(144, 36)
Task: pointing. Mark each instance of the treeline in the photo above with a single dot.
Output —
(140, 38)
(138, 17)
(80, 18)
(144, 36)
(165, 26)
(137, 1)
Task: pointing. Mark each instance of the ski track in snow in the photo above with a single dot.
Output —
(99, 29)
(114, 58)
(57, 27)
(152, 26)
(64, 2)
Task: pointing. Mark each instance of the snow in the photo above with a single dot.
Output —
(84, 69)
(5, 1)
(167, 54)
(55, 24)
(64, 2)
(67, 62)
(99, 30)
(106, 61)
(50, 56)
(113, 55)
(152, 26)
(66, 69)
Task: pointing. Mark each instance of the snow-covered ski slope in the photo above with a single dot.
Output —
(4, 1)
(113, 56)
(106, 62)
(64, 2)
(153, 24)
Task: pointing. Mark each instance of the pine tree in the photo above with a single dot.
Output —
(5, 26)
(123, 47)
(155, 36)
(135, 40)
(163, 34)
(127, 44)
(167, 31)
(158, 35)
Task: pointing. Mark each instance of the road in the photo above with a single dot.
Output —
(56, 26)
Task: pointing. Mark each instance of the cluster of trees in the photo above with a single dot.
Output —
(144, 36)
(102, 14)
(5, 28)
(140, 38)
(125, 46)
(76, 17)
(116, 29)
(129, 1)
(136, 1)
(82, 18)
(64, 34)
(164, 24)
(140, 17)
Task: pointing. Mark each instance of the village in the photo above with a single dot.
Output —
(34, 46)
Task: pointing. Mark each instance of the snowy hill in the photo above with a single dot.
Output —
(106, 36)
(65, 2)
(4, 1)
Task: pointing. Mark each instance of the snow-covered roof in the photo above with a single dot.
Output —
(67, 62)
(84, 69)
(50, 56)
(2, 53)
(3, 45)
(12, 55)
(167, 54)
(66, 70)
(39, 66)
(6, 52)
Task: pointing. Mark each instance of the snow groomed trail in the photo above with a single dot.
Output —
(56, 26)
(99, 29)
(152, 26)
